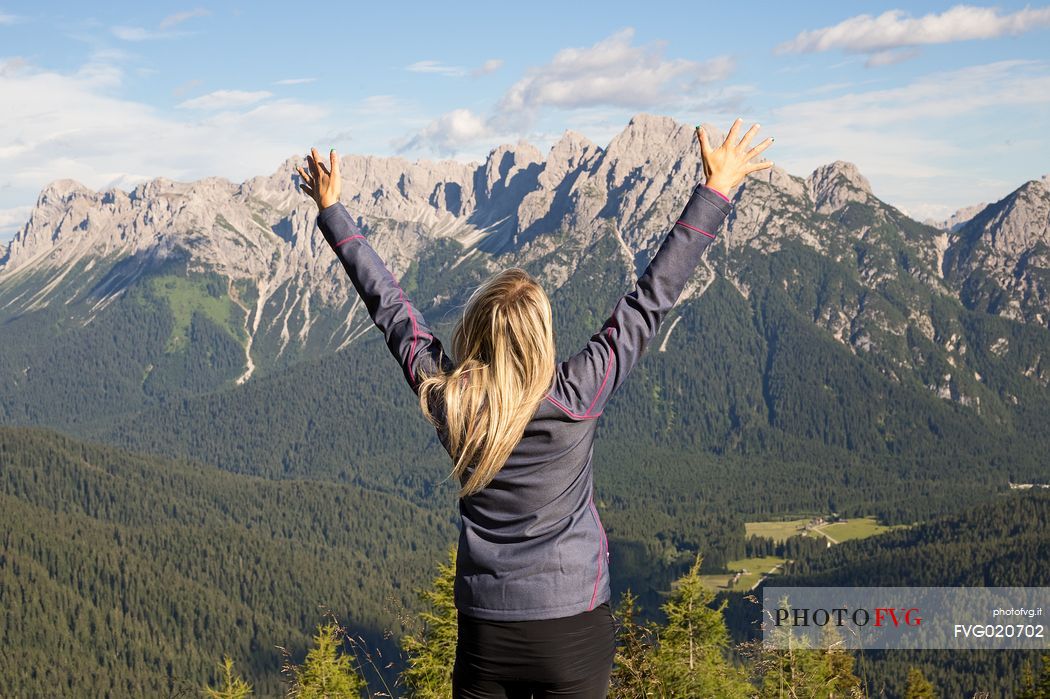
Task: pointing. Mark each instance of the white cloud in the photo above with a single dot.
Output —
(69, 125)
(889, 57)
(295, 81)
(612, 72)
(436, 67)
(450, 133)
(380, 105)
(225, 99)
(11, 220)
(11, 66)
(126, 33)
(926, 141)
(180, 17)
(489, 66)
(103, 69)
(895, 29)
(7, 19)
(931, 97)
(183, 88)
(163, 31)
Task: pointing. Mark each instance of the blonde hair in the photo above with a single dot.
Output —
(503, 347)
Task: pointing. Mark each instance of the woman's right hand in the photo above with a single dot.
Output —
(321, 183)
(726, 166)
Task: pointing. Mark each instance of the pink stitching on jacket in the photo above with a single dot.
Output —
(602, 547)
(694, 228)
(415, 334)
(608, 370)
(347, 240)
(569, 412)
(717, 192)
(411, 313)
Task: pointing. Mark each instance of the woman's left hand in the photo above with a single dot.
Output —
(726, 166)
(322, 183)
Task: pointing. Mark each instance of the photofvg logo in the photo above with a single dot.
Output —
(842, 616)
(906, 617)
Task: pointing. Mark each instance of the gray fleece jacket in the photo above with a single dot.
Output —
(531, 543)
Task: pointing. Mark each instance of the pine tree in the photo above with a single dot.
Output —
(791, 667)
(633, 674)
(233, 686)
(1031, 688)
(918, 686)
(1042, 687)
(797, 672)
(326, 673)
(690, 656)
(1027, 689)
(841, 682)
(431, 650)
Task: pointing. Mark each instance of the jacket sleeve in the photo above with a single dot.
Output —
(407, 333)
(587, 380)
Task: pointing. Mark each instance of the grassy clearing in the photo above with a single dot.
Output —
(186, 295)
(860, 528)
(778, 531)
(751, 570)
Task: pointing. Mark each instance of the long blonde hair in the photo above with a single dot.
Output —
(503, 348)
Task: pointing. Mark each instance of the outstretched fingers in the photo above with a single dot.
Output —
(746, 140)
(759, 148)
(734, 132)
(312, 161)
(334, 164)
(316, 165)
(705, 144)
(755, 167)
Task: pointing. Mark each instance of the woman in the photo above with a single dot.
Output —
(532, 579)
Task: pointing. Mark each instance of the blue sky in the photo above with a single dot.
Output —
(940, 105)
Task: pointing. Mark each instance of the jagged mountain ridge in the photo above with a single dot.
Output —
(262, 231)
(637, 182)
(286, 295)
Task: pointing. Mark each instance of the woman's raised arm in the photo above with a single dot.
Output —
(408, 336)
(587, 380)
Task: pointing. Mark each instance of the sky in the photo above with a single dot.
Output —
(941, 106)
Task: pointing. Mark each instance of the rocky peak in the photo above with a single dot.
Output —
(999, 259)
(572, 152)
(503, 166)
(61, 192)
(645, 136)
(831, 186)
(650, 124)
(958, 219)
(1020, 221)
(571, 143)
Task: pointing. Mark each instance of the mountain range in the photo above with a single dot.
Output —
(837, 333)
(259, 236)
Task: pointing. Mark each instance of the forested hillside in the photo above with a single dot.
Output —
(127, 575)
(134, 575)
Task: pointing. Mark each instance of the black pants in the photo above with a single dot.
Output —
(567, 657)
